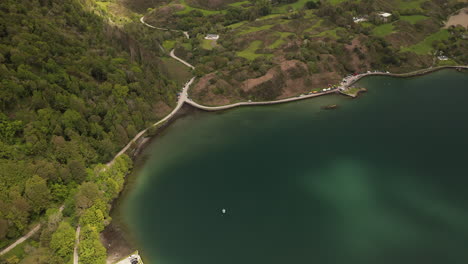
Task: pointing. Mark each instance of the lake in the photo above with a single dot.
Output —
(382, 179)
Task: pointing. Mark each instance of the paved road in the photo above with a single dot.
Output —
(181, 60)
(224, 107)
(77, 242)
(182, 99)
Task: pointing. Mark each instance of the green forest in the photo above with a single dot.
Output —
(70, 97)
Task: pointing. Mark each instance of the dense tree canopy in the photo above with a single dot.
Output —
(71, 95)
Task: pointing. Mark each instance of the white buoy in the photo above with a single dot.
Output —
(224, 211)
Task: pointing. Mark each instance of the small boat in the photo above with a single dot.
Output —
(223, 211)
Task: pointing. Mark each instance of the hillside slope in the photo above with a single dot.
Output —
(73, 90)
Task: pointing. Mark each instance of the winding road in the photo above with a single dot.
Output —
(183, 98)
(142, 20)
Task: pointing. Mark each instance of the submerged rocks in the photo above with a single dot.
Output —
(330, 107)
(354, 91)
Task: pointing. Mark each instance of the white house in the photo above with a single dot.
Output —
(212, 36)
(359, 19)
(385, 16)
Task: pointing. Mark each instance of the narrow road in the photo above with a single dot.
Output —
(180, 102)
(142, 20)
(224, 107)
(181, 60)
(77, 242)
(23, 238)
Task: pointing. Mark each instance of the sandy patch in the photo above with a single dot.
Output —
(116, 244)
(251, 83)
(461, 18)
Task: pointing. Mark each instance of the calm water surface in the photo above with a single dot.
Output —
(383, 179)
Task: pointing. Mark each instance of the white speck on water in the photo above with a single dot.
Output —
(223, 211)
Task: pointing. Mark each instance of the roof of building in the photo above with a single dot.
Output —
(384, 14)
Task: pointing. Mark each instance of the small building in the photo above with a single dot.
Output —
(359, 19)
(442, 58)
(212, 36)
(384, 16)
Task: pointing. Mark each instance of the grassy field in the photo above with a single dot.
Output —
(367, 24)
(383, 30)
(205, 12)
(285, 8)
(168, 44)
(447, 63)
(208, 44)
(255, 29)
(329, 33)
(315, 26)
(335, 2)
(410, 4)
(425, 46)
(240, 3)
(280, 41)
(269, 16)
(236, 25)
(249, 53)
(177, 71)
(413, 19)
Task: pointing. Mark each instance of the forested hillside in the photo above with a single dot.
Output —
(70, 97)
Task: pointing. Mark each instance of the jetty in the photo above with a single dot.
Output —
(134, 258)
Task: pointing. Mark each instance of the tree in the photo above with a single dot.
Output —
(38, 193)
(77, 170)
(88, 193)
(63, 241)
(312, 5)
(93, 217)
(91, 250)
(3, 228)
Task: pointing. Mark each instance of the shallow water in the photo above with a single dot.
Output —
(381, 179)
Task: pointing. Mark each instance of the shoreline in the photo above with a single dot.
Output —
(137, 154)
(117, 237)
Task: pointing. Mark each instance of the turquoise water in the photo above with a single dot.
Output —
(382, 179)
